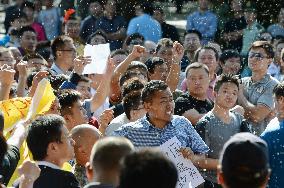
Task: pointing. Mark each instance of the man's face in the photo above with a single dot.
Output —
(232, 66)
(96, 9)
(119, 58)
(79, 114)
(110, 6)
(157, 15)
(207, 57)
(160, 72)
(258, 60)
(278, 50)
(137, 113)
(84, 89)
(135, 41)
(166, 53)
(68, 53)
(203, 4)
(250, 16)
(7, 58)
(29, 12)
(72, 28)
(227, 95)
(54, 108)
(19, 23)
(197, 81)
(37, 64)
(191, 42)
(66, 146)
(28, 41)
(98, 39)
(236, 5)
(162, 106)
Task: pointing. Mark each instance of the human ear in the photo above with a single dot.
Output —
(89, 172)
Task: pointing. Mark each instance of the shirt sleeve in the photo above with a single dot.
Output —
(266, 98)
(132, 27)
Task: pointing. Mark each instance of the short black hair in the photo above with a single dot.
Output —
(158, 8)
(164, 42)
(98, 32)
(147, 8)
(151, 63)
(193, 31)
(138, 66)
(133, 37)
(226, 78)
(131, 102)
(196, 55)
(57, 80)
(134, 85)
(67, 98)
(196, 65)
(30, 79)
(25, 29)
(118, 52)
(151, 88)
(28, 4)
(16, 14)
(227, 54)
(147, 168)
(278, 90)
(59, 43)
(129, 74)
(1, 121)
(44, 130)
(268, 48)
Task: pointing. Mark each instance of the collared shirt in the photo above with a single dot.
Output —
(145, 25)
(143, 134)
(55, 70)
(112, 26)
(274, 136)
(205, 23)
(260, 93)
(45, 163)
(274, 71)
(116, 123)
(250, 33)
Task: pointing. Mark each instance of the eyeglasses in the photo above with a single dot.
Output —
(257, 56)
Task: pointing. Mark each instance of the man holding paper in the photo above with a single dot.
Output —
(159, 124)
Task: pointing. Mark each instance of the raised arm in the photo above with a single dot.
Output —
(173, 77)
(22, 68)
(6, 80)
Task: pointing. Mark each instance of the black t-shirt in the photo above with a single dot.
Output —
(186, 102)
(235, 24)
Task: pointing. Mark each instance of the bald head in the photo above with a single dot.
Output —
(85, 136)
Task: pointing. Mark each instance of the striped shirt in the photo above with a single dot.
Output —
(143, 134)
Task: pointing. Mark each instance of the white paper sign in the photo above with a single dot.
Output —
(189, 176)
(99, 54)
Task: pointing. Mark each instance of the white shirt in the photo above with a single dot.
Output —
(116, 123)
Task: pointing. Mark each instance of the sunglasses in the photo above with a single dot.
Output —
(257, 56)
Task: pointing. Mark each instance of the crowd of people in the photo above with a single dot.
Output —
(222, 99)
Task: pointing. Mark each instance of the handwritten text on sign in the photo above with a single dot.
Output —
(189, 177)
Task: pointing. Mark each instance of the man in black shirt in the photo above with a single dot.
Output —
(194, 104)
(168, 31)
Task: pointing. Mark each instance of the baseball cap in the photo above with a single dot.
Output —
(244, 160)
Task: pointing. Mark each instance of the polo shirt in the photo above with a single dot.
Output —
(260, 93)
(274, 136)
(143, 134)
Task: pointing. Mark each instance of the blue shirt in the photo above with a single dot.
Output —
(145, 25)
(274, 136)
(205, 23)
(143, 134)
